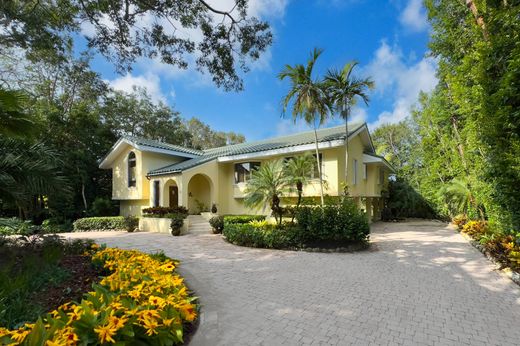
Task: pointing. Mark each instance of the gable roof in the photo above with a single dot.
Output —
(265, 146)
(147, 145)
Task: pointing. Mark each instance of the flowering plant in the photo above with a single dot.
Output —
(141, 301)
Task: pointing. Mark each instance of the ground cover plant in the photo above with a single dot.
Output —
(39, 273)
(141, 300)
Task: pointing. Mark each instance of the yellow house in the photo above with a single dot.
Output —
(149, 173)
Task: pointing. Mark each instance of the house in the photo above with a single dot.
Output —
(149, 173)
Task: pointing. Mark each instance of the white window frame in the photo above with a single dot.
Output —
(354, 177)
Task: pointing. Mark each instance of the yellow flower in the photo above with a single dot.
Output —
(105, 333)
(117, 322)
(19, 335)
(150, 325)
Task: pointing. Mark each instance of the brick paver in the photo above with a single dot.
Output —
(421, 284)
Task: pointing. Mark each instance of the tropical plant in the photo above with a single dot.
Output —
(15, 122)
(266, 186)
(343, 90)
(309, 100)
(298, 170)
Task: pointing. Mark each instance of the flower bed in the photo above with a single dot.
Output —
(141, 301)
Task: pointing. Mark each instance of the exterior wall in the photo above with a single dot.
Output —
(132, 207)
(160, 225)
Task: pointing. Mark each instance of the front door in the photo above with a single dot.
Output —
(174, 196)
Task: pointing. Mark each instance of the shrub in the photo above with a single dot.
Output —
(10, 226)
(162, 211)
(476, 229)
(103, 206)
(460, 220)
(238, 219)
(142, 302)
(131, 223)
(103, 223)
(176, 223)
(53, 225)
(214, 208)
(217, 222)
(341, 222)
(269, 236)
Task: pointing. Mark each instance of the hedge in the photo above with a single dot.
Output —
(105, 223)
(242, 219)
(163, 211)
(268, 237)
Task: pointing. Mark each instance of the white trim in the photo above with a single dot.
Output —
(370, 159)
(282, 151)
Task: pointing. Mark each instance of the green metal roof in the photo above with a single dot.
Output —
(324, 135)
(162, 145)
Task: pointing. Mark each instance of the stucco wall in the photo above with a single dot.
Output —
(132, 207)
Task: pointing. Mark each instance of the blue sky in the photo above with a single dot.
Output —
(389, 39)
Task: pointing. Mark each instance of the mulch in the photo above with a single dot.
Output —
(83, 275)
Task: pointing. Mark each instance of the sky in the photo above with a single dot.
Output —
(388, 39)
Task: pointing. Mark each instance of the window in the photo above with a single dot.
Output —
(243, 171)
(131, 169)
(156, 193)
(354, 176)
(365, 171)
(381, 176)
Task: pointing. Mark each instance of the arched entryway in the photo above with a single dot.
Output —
(171, 194)
(199, 194)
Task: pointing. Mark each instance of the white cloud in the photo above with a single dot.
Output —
(403, 82)
(149, 81)
(414, 17)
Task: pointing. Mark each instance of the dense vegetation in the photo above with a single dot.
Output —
(461, 149)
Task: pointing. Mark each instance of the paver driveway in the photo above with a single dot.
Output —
(421, 284)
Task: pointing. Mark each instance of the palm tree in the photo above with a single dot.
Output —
(309, 99)
(14, 121)
(343, 90)
(266, 185)
(298, 170)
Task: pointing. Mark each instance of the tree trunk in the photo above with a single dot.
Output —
(319, 165)
(478, 17)
(345, 116)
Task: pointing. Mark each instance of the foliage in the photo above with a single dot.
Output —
(162, 211)
(15, 122)
(214, 208)
(201, 206)
(203, 137)
(28, 267)
(241, 219)
(102, 223)
(340, 222)
(476, 229)
(265, 187)
(10, 226)
(142, 301)
(460, 220)
(299, 170)
(131, 223)
(217, 222)
(309, 99)
(404, 201)
(103, 206)
(117, 30)
(176, 223)
(266, 236)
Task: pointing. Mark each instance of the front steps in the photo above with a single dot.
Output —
(198, 225)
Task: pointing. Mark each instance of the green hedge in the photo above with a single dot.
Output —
(105, 223)
(242, 219)
(341, 222)
(268, 237)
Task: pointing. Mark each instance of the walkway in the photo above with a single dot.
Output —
(421, 284)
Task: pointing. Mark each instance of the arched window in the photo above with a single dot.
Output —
(131, 169)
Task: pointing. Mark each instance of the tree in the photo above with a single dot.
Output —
(203, 137)
(266, 186)
(309, 100)
(13, 120)
(299, 169)
(343, 90)
(123, 31)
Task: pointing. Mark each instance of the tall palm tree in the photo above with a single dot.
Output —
(266, 185)
(299, 170)
(309, 99)
(14, 122)
(344, 90)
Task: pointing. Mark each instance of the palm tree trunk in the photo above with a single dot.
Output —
(345, 116)
(319, 164)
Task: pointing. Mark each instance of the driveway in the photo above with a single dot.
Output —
(421, 284)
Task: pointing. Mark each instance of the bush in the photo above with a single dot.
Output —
(476, 229)
(341, 222)
(131, 223)
(460, 220)
(142, 302)
(53, 225)
(241, 219)
(162, 211)
(103, 223)
(269, 236)
(217, 222)
(10, 226)
(103, 206)
(176, 223)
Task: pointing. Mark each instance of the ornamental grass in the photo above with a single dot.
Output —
(141, 301)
